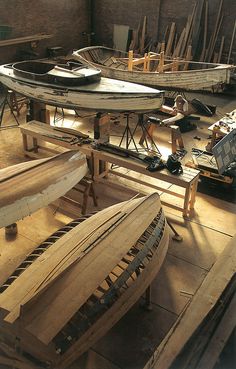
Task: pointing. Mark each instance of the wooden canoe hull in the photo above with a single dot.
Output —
(105, 95)
(211, 77)
(27, 187)
(116, 255)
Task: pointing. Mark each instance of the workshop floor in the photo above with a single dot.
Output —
(131, 342)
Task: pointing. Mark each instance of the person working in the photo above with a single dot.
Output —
(179, 110)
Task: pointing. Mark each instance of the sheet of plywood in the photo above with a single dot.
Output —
(120, 36)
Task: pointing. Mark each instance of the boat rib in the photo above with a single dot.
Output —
(109, 259)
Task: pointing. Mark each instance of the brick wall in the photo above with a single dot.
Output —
(108, 12)
(66, 19)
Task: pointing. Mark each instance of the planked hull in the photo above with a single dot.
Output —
(27, 187)
(101, 266)
(203, 76)
(105, 95)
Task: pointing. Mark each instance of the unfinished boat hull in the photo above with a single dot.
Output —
(101, 267)
(105, 95)
(29, 186)
(202, 76)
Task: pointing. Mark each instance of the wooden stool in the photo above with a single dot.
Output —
(88, 191)
(86, 187)
(176, 139)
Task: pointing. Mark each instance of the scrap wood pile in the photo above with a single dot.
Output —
(193, 42)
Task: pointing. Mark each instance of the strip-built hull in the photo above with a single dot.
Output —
(29, 186)
(86, 281)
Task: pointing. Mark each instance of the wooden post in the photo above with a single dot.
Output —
(160, 67)
(231, 44)
(145, 62)
(221, 49)
(130, 62)
(148, 61)
(188, 57)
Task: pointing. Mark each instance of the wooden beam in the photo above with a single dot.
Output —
(203, 53)
(231, 44)
(25, 39)
(143, 35)
(130, 61)
(170, 39)
(221, 49)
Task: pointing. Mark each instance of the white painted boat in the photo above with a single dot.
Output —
(29, 186)
(105, 95)
(77, 284)
(175, 75)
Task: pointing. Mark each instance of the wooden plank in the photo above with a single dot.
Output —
(158, 8)
(143, 35)
(221, 49)
(201, 304)
(219, 338)
(177, 50)
(130, 61)
(188, 31)
(170, 39)
(203, 53)
(213, 38)
(160, 67)
(188, 57)
(197, 26)
(25, 39)
(231, 43)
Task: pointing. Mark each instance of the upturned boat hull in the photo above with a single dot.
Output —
(85, 281)
(201, 76)
(106, 95)
(29, 186)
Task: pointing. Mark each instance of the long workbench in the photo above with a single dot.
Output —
(188, 180)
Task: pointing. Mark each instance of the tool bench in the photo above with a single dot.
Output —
(37, 132)
(188, 180)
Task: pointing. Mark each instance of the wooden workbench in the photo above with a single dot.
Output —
(187, 181)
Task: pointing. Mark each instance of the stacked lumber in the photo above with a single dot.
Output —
(79, 282)
(205, 46)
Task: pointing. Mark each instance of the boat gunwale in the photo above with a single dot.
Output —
(215, 66)
(75, 89)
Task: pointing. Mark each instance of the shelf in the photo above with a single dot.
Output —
(25, 39)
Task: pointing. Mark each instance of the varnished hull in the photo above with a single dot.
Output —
(106, 95)
(26, 187)
(203, 76)
(87, 280)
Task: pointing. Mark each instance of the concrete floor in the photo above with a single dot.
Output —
(131, 342)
